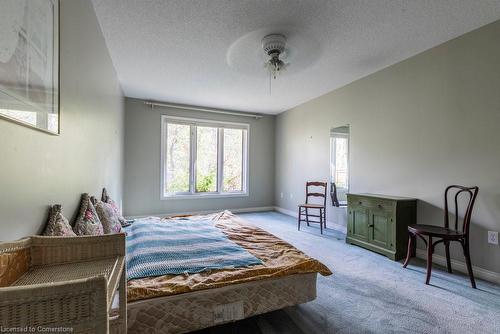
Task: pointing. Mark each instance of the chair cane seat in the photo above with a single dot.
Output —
(312, 206)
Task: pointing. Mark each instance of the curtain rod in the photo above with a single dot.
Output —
(188, 107)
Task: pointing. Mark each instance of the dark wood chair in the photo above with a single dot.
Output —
(464, 195)
(333, 194)
(304, 208)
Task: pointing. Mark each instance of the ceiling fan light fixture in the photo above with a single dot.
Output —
(274, 47)
(274, 43)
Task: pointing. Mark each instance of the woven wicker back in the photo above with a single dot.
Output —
(14, 260)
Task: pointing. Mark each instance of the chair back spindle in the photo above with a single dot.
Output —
(459, 192)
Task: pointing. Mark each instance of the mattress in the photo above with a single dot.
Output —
(192, 311)
(279, 258)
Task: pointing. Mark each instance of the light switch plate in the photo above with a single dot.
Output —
(493, 237)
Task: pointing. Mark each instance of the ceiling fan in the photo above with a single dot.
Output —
(274, 47)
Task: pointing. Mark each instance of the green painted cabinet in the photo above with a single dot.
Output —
(380, 223)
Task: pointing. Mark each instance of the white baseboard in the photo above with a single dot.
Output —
(256, 209)
(460, 266)
(329, 224)
(237, 210)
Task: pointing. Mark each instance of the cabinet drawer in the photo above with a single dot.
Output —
(371, 203)
(387, 206)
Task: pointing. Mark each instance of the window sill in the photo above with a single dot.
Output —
(203, 196)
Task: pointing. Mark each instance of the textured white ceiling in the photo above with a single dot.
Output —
(207, 52)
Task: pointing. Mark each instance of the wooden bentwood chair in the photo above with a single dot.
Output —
(446, 234)
(304, 208)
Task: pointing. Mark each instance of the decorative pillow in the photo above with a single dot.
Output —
(109, 219)
(87, 222)
(58, 225)
(106, 199)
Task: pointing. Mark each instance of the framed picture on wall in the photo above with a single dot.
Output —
(29, 63)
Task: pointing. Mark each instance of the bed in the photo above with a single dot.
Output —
(186, 302)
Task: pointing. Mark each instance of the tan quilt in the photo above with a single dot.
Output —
(279, 259)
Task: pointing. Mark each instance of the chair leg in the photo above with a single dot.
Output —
(409, 252)
(465, 246)
(429, 260)
(307, 217)
(448, 260)
(324, 217)
(321, 220)
(300, 216)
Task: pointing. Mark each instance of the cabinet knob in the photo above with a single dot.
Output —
(360, 202)
(371, 225)
(380, 206)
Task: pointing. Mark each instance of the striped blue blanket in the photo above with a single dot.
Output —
(158, 247)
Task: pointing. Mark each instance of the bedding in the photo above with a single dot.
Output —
(87, 221)
(110, 220)
(278, 258)
(57, 224)
(158, 247)
(107, 199)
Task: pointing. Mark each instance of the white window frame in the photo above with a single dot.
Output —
(193, 123)
(333, 161)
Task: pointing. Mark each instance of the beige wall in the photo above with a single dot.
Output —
(142, 163)
(417, 126)
(37, 169)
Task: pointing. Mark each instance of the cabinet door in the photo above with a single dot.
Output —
(358, 223)
(380, 231)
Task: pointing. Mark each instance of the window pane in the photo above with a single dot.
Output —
(233, 160)
(178, 154)
(341, 176)
(206, 159)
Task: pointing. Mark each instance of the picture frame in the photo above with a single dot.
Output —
(29, 63)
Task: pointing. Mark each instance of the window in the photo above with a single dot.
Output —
(339, 161)
(203, 158)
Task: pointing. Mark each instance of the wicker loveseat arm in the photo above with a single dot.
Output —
(77, 306)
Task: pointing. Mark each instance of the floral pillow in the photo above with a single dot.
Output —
(108, 216)
(106, 199)
(87, 222)
(58, 225)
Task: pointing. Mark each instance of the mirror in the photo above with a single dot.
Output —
(339, 163)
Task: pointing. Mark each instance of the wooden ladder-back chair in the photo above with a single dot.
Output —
(446, 234)
(304, 208)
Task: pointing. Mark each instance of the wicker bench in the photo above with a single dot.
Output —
(66, 283)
